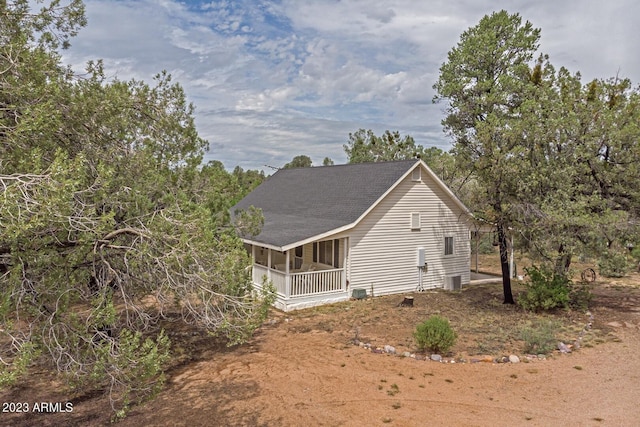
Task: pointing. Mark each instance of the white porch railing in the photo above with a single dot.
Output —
(278, 278)
(301, 284)
(316, 282)
(258, 272)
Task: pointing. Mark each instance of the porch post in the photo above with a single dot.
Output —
(268, 263)
(253, 262)
(345, 257)
(287, 277)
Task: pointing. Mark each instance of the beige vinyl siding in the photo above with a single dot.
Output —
(383, 246)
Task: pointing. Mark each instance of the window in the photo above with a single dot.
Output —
(327, 252)
(448, 245)
(415, 175)
(415, 221)
(297, 259)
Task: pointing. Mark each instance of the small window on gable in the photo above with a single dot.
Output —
(448, 245)
(415, 221)
(416, 174)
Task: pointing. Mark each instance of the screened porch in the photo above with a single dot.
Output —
(312, 269)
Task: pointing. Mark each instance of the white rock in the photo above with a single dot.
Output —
(514, 359)
(563, 348)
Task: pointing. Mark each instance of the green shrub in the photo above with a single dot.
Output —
(580, 295)
(545, 290)
(436, 334)
(539, 337)
(613, 264)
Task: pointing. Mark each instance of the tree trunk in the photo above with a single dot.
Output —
(563, 262)
(504, 265)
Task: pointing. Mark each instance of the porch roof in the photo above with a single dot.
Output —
(302, 203)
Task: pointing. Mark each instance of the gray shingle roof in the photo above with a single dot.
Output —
(301, 203)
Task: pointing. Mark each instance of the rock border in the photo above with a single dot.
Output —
(512, 358)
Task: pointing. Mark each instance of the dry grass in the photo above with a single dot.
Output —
(484, 326)
(483, 323)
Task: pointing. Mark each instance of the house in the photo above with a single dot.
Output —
(336, 231)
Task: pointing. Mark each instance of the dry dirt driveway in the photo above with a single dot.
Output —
(298, 374)
(315, 379)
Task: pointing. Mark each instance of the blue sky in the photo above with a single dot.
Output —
(274, 79)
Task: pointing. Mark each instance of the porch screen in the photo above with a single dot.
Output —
(327, 252)
(297, 259)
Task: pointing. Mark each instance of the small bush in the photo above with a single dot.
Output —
(540, 337)
(580, 296)
(545, 290)
(436, 334)
(613, 264)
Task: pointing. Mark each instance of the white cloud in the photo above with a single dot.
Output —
(272, 80)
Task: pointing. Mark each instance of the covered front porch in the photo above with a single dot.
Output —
(307, 275)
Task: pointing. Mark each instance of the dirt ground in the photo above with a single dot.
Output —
(302, 368)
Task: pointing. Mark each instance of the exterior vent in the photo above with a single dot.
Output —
(453, 283)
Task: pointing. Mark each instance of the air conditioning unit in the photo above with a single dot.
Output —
(453, 283)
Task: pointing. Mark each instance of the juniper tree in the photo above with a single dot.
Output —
(105, 228)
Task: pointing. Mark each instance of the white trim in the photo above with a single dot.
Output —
(345, 261)
(263, 245)
(287, 277)
(268, 264)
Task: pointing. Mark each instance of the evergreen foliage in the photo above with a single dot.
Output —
(435, 334)
(545, 290)
(365, 147)
(613, 264)
(107, 223)
(301, 161)
(553, 161)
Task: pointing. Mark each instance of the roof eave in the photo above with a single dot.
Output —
(310, 239)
